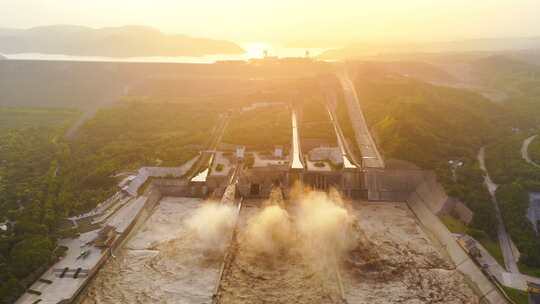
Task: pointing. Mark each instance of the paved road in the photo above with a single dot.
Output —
(371, 158)
(505, 241)
(525, 151)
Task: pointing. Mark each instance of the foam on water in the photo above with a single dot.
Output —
(160, 264)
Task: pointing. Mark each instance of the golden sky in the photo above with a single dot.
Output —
(320, 23)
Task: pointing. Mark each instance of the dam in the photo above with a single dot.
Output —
(276, 231)
(307, 223)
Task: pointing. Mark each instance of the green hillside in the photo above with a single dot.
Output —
(44, 178)
(430, 125)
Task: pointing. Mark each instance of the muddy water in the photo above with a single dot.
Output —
(284, 276)
(392, 261)
(395, 262)
(160, 264)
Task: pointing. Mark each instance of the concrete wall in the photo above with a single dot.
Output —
(322, 181)
(153, 196)
(458, 210)
(433, 194)
(352, 184)
(464, 264)
(264, 179)
(392, 185)
(349, 182)
(178, 187)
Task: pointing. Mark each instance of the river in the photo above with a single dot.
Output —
(161, 263)
(208, 59)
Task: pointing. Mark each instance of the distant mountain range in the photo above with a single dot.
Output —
(359, 50)
(126, 41)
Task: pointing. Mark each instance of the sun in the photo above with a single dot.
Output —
(256, 49)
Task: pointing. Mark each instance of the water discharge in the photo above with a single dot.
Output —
(269, 231)
(286, 253)
(283, 251)
(212, 223)
(319, 219)
(174, 258)
(325, 226)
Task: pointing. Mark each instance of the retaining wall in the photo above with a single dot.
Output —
(419, 204)
(153, 196)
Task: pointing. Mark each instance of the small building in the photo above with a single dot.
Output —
(240, 152)
(278, 152)
(534, 292)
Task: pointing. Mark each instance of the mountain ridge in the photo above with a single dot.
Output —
(487, 45)
(123, 41)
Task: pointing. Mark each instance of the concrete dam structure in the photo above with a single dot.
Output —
(282, 226)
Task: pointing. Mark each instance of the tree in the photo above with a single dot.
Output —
(29, 254)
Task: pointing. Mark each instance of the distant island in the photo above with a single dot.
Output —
(126, 41)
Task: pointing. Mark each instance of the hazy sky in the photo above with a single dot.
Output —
(328, 22)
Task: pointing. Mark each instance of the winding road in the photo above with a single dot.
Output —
(505, 241)
(525, 151)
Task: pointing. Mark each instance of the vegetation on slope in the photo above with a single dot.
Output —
(520, 81)
(126, 137)
(261, 128)
(516, 178)
(506, 165)
(44, 178)
(429, 125)
(21, 118)
(518, 296)
(315, 123)
(514, 200)
(423, 123)
(28, 167)
(534, 150)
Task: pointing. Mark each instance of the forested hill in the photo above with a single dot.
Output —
(126, 41)
(491, 45)
(424, 123)
(28, 203)
(520, 82)
(44, 179)
(430, 125)
(507, 72)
